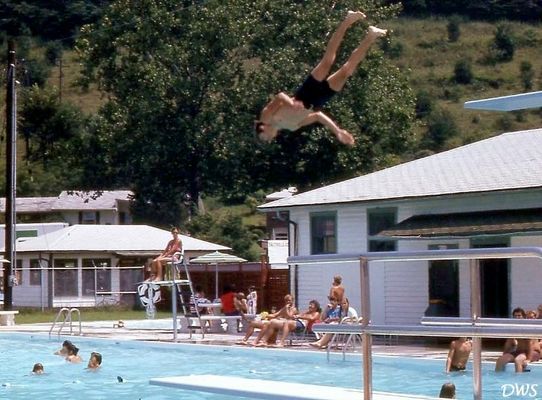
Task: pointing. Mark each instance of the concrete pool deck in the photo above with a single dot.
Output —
(161, 330)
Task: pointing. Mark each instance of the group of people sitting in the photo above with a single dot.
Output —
(520, 352)
(278, 325)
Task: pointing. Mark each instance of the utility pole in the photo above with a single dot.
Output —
(11, 154)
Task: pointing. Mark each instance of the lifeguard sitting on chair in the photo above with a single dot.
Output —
(175, 245)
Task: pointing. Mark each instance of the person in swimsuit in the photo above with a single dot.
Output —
(518, 351)
(175, 245)
(458, 356)
(293, 113)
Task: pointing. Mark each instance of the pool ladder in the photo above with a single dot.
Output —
(67, 314)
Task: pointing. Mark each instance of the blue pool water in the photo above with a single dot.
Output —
(138, 362)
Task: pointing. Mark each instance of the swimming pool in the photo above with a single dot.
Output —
(137, 362)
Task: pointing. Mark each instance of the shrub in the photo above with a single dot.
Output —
(526, 74)
(424, 104)
(463, 72)
(53, 52)
(453, 29)
(441, 127)
(504, 44)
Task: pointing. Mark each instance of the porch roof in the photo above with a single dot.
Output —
(497, 222)
(141, 239)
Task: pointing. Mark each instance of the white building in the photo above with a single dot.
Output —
(106, 207)
(484, 194)
(85, 265)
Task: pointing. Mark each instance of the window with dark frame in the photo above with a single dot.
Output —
(35, 273)
(66, 281)
(379, 219)
(323, 233)
(103, 275)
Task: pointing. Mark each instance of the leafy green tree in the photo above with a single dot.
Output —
(228, 230)
(49, 19)
(186, 80)
(47, 125)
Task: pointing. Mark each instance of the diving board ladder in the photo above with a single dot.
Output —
(186, 296)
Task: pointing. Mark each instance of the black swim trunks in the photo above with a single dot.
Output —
(455, 368)
(314, 94)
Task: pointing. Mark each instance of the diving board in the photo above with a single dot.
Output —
(271, 390)
(507, 103)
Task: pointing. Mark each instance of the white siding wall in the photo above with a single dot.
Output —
(107, 217)
(399, 293)
(526, 276)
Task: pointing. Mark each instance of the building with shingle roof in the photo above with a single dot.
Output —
(83, 265)
(484, 194)
(76, 207)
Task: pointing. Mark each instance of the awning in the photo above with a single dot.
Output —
(501, 222)
(137, 253)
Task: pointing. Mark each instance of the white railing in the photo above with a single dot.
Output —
(499, 328)
(67, 314)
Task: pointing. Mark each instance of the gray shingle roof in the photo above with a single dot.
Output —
(90, 200)
(504, 162)
(30, 204)
(70, 200)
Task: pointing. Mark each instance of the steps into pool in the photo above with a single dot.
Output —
(266, 389)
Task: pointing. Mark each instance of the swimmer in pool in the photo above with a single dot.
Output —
(38, 369)
(94, 361)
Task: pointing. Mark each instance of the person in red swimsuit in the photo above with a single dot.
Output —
(227, 300)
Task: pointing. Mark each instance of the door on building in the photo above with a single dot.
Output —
(443, 286)
(494, 282)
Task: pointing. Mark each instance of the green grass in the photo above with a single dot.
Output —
(33, 316)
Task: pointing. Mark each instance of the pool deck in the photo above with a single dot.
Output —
(161, 331)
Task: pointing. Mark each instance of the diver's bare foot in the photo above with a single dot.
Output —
(315, 344)
(354, 16)
(345, 137)
(377, 32)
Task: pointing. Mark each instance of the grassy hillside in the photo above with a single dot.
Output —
(429, 59)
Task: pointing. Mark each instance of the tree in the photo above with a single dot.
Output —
(58, 153)
(186, 79)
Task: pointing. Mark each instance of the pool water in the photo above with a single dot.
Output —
(138, 362)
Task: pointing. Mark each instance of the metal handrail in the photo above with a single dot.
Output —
(67, 312)
(476, 330)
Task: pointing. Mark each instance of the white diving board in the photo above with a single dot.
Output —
(270, 390)
(507, 103)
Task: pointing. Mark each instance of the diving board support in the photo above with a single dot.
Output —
(507, 103)
(270, 390)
